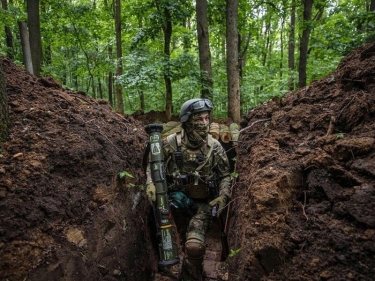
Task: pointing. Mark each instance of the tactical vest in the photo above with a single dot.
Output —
(192, 174)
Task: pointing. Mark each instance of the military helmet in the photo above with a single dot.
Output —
(193, 106)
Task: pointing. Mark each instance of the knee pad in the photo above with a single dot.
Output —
(195, 249)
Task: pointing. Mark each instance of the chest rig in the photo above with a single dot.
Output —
(191, 168)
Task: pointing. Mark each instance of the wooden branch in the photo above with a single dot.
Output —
(331, 125)
(303, 206)
(252, 124)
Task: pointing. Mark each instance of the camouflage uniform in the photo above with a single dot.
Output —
(195, 185)
(196, 164)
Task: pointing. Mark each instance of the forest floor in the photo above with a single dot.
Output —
(302, 207)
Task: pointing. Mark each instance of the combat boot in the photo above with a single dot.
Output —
(192, 270)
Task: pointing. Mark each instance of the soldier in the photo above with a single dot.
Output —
(197, 170)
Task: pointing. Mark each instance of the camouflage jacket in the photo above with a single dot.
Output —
(193, 169)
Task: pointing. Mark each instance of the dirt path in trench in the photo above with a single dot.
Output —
(214, 269)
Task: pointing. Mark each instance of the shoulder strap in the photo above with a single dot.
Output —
(211, 145)
(175, 141)
(210, 140)
(178, 141)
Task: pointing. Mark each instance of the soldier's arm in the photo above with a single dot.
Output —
(223, 170)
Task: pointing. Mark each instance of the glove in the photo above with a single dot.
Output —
(179, 200)
(151, 192)
(221, 201)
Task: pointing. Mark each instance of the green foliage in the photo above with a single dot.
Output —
(124, 174)
(234, 175)
(234, 252)
(141, 71)
(80, 38)
(340, 136)
(12, 15)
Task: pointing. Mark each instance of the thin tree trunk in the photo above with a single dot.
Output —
(167, 30)
(110, 79)
(140, 91)
(242, 63)
(304, 44)
(270, 46)
(8, 34)
(100, 90)
(291, 45)
(371, 38)
(24, 34)
(242, 54)
(48, 55)
(186, 38)
(93, 87)
(110, 57)
(282, 46)
(232, 61)
(267, 34)
(204, 50)
(34, 36)
(120, 102)
(4, 111)
(142, 100)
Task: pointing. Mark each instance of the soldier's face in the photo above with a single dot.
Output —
(201, 123)
(201, 118)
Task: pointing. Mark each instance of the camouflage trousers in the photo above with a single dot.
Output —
(198, 226)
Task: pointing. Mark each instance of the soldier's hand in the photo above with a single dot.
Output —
(151, 192)
(221, 201)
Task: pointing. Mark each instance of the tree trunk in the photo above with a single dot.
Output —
(120, 102)
(93, 87)
(110, 57)
(186, 39)
(34, 36)
(48, 55)
(167, 29)
(371, 38)
(204, 50)
(281, 64)
(291, 44)
(142, 100)
(100, 90)
(304, 44)
(25, 46)
(8, 34)
(242, 53)
(232, 61)
(242, 62)
(4, 113)
(110, 79)
(267, 35)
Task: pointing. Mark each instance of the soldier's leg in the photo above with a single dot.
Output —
(192, 266)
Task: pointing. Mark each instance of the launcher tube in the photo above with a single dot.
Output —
(168, 251)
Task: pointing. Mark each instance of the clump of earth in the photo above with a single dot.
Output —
(73, 204)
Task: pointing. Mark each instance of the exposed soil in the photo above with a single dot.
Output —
(305, 201)
(303, 206)
(65, 213)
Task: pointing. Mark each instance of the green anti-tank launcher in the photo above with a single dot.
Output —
(168, 251)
